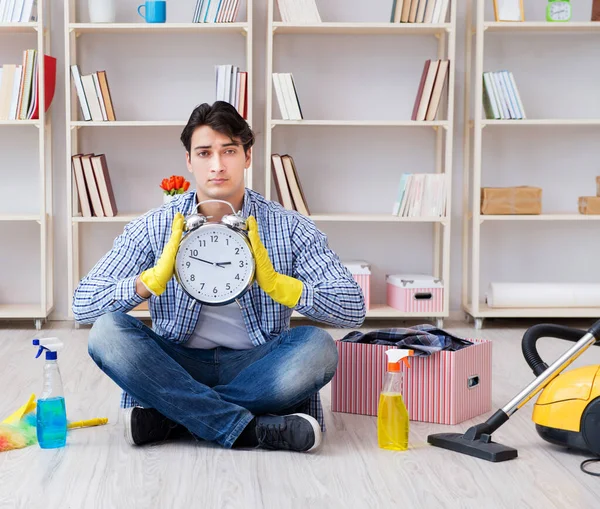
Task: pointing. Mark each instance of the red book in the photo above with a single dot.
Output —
(50, 86)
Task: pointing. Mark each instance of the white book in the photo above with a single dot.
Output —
(490, 93)
(204, 11)
(291, 97)
(99, 94)
(8, 9)
(443, 11)
(280, 97)
(85, 108)
(498, 93)
(14, 102)
(92, 97)
(27, 12)
(518, 97)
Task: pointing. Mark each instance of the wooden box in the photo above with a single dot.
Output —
(589, 205)
(511, 200)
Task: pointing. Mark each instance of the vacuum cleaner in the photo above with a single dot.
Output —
(566, 413)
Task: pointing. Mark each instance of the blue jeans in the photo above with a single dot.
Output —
(213, 393)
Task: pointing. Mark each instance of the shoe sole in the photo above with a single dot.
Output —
(316, 429)
(127, 425)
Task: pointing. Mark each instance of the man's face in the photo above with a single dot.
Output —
(218, 165)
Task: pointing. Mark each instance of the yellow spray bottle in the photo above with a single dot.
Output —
(392, 416)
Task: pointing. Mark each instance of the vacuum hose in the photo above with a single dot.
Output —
(551, 331)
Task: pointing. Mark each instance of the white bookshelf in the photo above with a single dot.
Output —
(73, 33)
(445, 33)
(40, 310)
(474, 222)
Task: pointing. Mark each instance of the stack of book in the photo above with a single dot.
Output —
(216, 11)
(18, 11)
(421, 195)
(431, 86)
(287, 183)
(95, 192)
(298, 11)
(19, 87)
(419, 11)
(287, 96)
(501, 100)
(94, 95)
(232, 87)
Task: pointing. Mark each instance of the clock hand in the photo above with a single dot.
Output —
(220, 264)
(201, 260)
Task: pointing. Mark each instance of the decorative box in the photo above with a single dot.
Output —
(361, 272)
(447, 387)
(589, 205)
(415, 292)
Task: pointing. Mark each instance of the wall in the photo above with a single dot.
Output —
(343, 169)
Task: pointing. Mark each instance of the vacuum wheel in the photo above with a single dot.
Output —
(590, 426)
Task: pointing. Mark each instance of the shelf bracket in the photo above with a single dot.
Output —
(245, 31)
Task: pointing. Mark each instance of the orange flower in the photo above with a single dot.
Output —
(175, 184)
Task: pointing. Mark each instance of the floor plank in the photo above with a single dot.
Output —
(98, 470)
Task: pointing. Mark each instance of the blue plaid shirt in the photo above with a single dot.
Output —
(296, 248)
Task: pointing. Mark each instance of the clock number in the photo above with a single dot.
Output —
(237, 276)
(193, 277)
(202, 243)
(195, 252)
(187, 265)
(214, 238)
(241, 263)
(227, 241)
(228, 286)
(215, 290)
(237, 250)
(201, 286)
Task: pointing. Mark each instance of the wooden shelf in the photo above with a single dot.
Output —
(540, 217)
(542, 122)
(362, 123)
(19, 122)
(362, 28)
(34, 311)
(19, 27)
(487, 312)
(19, 217)
(121, 218)
(109, 28)
(128, 123)
(376, 218)
(542, 26)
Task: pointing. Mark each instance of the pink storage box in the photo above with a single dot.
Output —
(361, 272)
(415, 293)
(447, 387)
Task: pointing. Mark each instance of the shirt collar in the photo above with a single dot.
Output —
(191, 202)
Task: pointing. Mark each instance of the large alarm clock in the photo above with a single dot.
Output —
(214, 263)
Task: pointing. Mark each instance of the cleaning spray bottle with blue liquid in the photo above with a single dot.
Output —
(392, 416)
(51, 409)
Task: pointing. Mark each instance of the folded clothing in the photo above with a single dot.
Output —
(424, 339)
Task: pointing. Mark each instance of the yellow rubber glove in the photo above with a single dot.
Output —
(156, 278)
(283, 289)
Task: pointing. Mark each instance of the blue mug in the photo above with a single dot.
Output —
(155, 11)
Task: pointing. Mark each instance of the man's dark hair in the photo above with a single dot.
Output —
(223, 118)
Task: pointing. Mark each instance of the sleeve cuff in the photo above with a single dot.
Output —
(125, 292)
(306, 298)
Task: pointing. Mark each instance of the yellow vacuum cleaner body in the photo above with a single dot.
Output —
(567, 412)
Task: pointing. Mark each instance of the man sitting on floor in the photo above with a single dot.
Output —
(237, 375)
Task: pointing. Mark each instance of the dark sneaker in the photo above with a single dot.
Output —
(294, 432)
(146, 425)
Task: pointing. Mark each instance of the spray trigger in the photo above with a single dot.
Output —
(397, 355)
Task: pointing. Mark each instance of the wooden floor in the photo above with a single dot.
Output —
(98, 470)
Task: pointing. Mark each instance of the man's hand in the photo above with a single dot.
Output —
(283, 289)
(155, 279)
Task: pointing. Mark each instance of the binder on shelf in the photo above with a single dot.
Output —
(216, 11)
(93, 94)
(93, 184)
(232, 87)
(20, 87)
(287, 96)
(419, 11)
(287, 184)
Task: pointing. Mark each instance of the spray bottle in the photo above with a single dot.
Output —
(51, 410)
(392, 416)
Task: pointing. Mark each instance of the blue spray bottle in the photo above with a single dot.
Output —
(51, 410)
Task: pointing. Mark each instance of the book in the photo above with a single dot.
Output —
(93, 185)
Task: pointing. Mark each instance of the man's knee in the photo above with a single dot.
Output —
(323, 351)
(103, 333)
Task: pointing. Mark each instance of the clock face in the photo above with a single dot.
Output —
(214, 264)
(559, 11)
